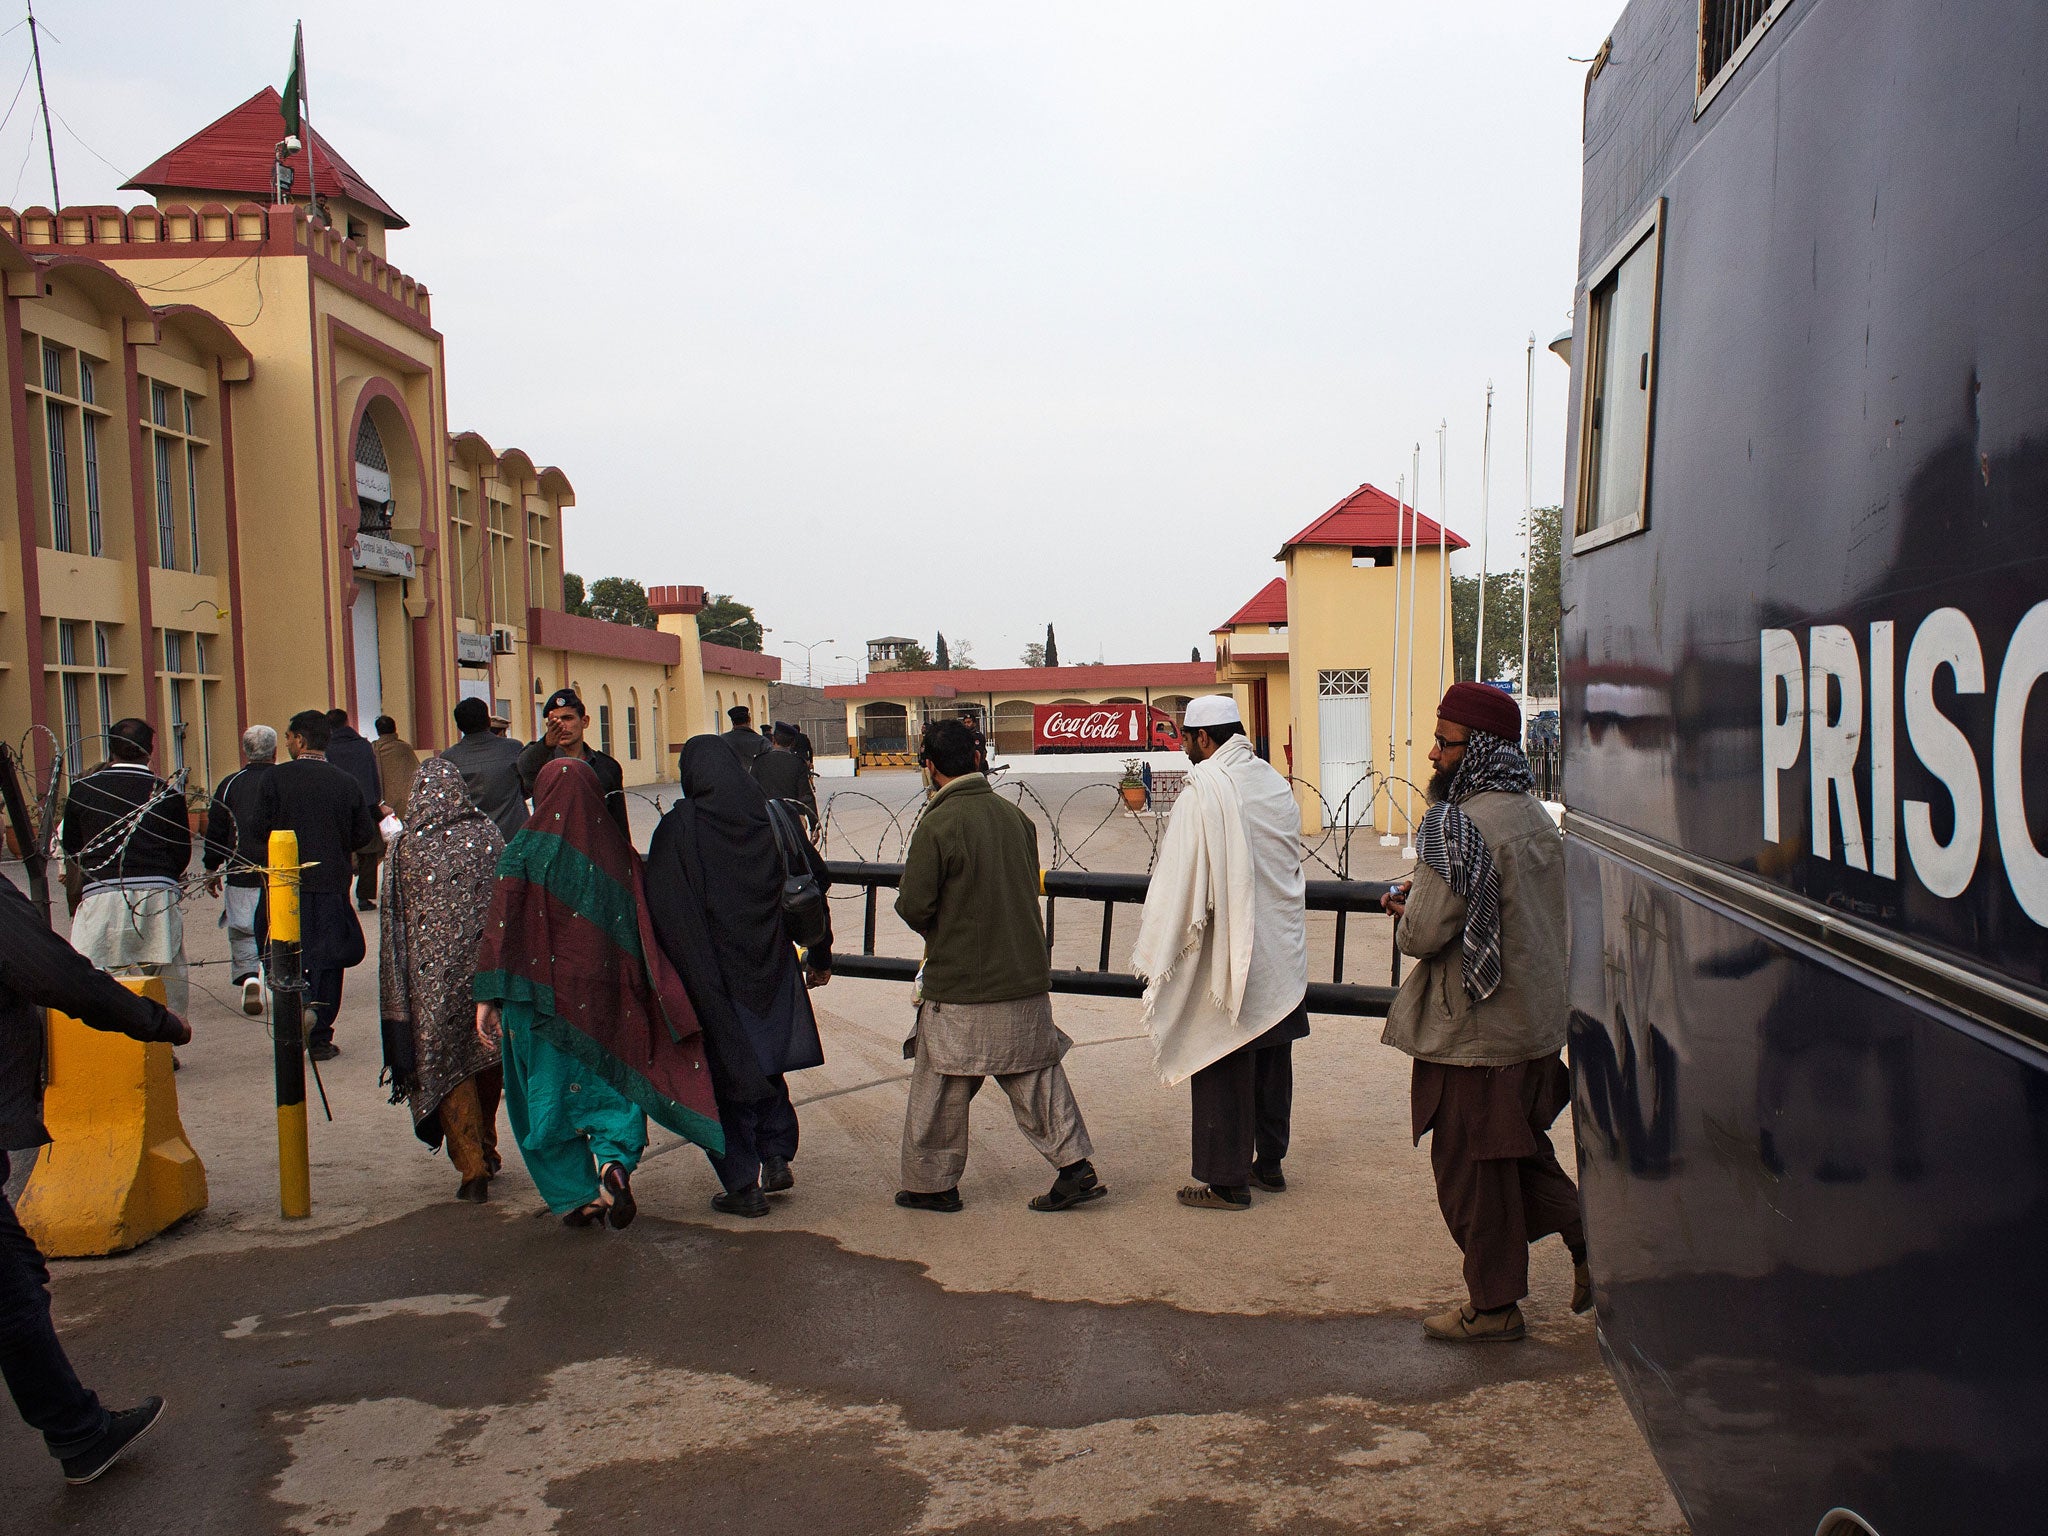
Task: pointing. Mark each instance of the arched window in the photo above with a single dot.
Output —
(373, 480)
(633, 723)
(604, 719)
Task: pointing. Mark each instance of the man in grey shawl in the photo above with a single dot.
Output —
(1484, 1011)
(437, 892)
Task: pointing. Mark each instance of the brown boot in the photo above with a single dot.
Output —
(1468, 1325)
(1582, 1287)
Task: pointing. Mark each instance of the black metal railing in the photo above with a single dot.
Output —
(1335, 996)
(1725, 26)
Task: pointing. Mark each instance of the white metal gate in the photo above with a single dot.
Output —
(1344, 733)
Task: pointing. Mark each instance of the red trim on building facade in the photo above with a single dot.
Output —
(227, 479)
(142, 493)
(1165, 676)
(735, 662)
(551, 629)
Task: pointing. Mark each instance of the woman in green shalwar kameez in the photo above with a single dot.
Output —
(598, 1032)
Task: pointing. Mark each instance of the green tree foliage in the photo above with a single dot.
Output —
(1504, 612)
(619, 600)
(940, 659)
(913, 658)
(1194, 653)
(724, 621)
(1052, 648)
(573, 600)
(1034, 654)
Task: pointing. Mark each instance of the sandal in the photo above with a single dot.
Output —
(619, 1184)
(1207, 1197)
(590, 1215)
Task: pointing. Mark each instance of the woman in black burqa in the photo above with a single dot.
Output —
(714, 885)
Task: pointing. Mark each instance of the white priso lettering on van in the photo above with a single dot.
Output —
(1815, 701)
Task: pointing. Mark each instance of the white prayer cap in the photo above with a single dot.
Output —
(1212, 709)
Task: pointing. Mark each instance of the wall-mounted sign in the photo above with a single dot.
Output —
(385, 557)
(472, 650)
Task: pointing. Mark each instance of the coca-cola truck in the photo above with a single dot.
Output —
(1102, 728)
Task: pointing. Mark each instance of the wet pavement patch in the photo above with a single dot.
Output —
(679, 1376)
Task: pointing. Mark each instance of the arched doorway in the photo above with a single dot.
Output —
(884, 727)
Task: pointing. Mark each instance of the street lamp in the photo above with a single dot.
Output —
(706, 634)
(856, 663)
(807, 648)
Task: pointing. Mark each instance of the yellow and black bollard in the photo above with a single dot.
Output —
(287, 1027)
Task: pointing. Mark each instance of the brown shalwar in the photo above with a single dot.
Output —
(469, 1123)
(955, 1047)
(1497, 1177)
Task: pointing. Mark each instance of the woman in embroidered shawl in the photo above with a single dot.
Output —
(598, 1032)
(437, 888)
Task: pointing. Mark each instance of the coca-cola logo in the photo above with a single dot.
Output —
(1094, 725)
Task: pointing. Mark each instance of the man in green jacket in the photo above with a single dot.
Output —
(970, 887)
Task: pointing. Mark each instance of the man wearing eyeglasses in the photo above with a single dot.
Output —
(1483, 1012)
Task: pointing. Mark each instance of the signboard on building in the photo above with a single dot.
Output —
(384, 557)
(473, 651)
(1102, 728)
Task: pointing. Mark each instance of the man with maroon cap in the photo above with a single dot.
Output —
(1483, 1012)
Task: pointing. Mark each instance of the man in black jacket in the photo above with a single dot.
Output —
(746, 741)
(782, 776)
(566, 723)
(128, 842)
(39, 970)
(351, 752)
(230, 835)
(325, 807)
(489, 765)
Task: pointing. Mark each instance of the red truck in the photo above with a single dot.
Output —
(1102, 728)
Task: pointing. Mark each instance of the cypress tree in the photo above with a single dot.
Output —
(939, 657)
(1052, 648)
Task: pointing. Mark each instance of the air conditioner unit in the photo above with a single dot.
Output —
(501, 642)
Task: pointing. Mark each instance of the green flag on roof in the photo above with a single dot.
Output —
(295, 83)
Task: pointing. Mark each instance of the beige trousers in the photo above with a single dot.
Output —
(935, 1122)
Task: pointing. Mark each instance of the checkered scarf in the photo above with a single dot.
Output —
(1451, 845)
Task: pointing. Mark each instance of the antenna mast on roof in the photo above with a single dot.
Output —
(35, 44)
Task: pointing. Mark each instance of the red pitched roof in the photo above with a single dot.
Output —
(235, 153)
(1161, 676)
(1369, 517)
(1269, 606)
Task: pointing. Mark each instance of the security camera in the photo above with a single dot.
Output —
(291, 143)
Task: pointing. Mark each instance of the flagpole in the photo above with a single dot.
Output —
(1485, 506)
(1414, 542)
(1394, 671)
(35, 45)
(306, 117)
(1528, 516)
(1443, 552)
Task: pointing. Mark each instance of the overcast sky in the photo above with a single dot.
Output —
(893, 318)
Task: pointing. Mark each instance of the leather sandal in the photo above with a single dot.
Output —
(591, 1215)
(1207, 1197)
(623, 1207)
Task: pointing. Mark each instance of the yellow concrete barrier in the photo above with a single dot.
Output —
(118, 1169)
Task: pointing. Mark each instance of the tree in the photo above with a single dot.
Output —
(1503, 624)
(1504, 612)
(1034, 654)
(1052, 648)
(723, 621)
(963, 655)
(573, 600)
(912, 657)
(1194, 653)
(939, 657)
(619, 600)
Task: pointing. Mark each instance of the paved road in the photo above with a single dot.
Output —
(402, 1363)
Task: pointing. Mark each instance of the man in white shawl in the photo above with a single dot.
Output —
(1224, 951)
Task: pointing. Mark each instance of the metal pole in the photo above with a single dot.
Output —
(1528, 515)
(1414, 540)
(1443, 552)
(1485, 504)
(288, 1040)
(1394, 671)
(35, 44)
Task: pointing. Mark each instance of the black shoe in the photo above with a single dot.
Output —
(1076, 1185)
(475, 1191)
(123, 1430)
(936, 1200)
(775, 1175)
(623, 1207)
(1272, 1180)
(366, 906)
(323, 1050)
(741, 1202)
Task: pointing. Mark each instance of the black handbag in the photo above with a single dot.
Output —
(803, 900)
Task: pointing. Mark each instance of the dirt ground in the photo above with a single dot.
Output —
(402, 1363)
